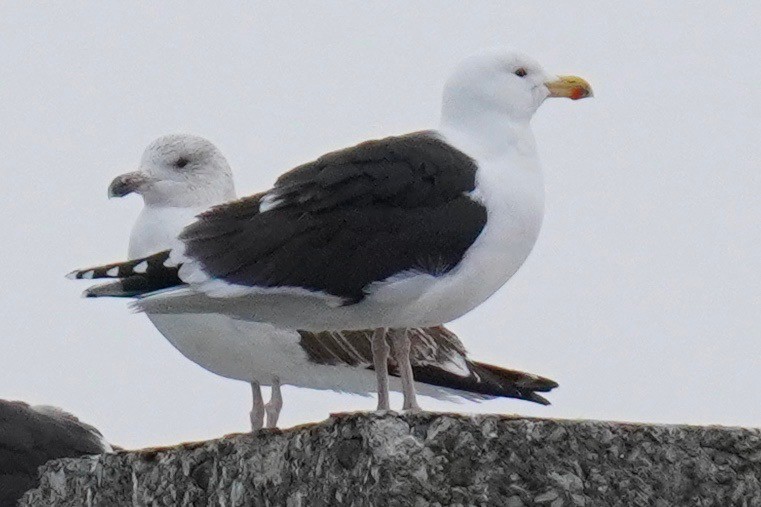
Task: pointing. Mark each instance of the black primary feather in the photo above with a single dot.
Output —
(132, 278)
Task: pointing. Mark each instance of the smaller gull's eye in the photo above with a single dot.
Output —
(520, 72)
(181, 162)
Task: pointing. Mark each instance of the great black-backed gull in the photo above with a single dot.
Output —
(183, 175)
(30, 436)
(403, 232)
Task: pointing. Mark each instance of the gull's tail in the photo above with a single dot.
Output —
(440, 358)
(489, 381)
(131, 278)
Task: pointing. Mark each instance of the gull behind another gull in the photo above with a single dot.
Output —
(181, 175)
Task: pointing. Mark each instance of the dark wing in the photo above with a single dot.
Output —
(133, 278)
(488, 381)
(428, 346)
(29, 439)
(438, 358)
(346, 220)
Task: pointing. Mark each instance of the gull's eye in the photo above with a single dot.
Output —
(520, 72)
(181, 162)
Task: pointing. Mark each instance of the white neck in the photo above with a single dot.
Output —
(486, 134)
(169, 194)
(164, 216)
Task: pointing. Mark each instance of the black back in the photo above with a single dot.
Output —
(348, 219)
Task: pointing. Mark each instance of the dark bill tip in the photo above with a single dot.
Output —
(126, 184)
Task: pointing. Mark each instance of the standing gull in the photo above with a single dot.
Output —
(403, 232)
(182, 175)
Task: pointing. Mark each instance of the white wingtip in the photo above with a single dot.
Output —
(72, 275)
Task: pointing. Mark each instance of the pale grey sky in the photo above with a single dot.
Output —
(642, 296)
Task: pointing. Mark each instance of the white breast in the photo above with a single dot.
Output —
(515, 208)
(515, 204)
(156, 229)
(509, 183)
(254, 352)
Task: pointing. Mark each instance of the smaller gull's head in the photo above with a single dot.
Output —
(506, 84)
(179, 170)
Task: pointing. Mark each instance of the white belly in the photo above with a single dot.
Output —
(254, 352)
(247, 351)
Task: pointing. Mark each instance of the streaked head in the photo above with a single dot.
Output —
(179, 170)
(506, 83)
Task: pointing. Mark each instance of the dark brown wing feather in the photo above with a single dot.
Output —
(437, 357)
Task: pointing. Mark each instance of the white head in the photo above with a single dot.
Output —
(502, 87)
(179, 171)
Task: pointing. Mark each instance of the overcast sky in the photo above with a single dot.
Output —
(641, 298)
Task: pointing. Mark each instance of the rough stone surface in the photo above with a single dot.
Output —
(426, 460)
